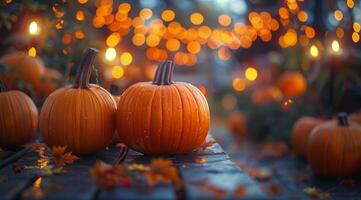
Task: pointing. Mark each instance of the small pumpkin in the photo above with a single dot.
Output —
(82, 116)
(49, 82)
(292, 83)
(334, 148)
(163, 117)
(22, 67)
(300, 132)
(237, 124)
(18, 118)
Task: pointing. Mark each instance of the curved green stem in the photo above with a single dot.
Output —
(164, 73)
(85, 68)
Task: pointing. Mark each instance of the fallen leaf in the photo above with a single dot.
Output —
(17, 168)
(316, 193)
(62, 158)
(39, 148)
(218, 193)
(200, 159)
(259, 174)
(240, 191)
(52, 170)
(274, 189)
(205, 145)
(163, 171)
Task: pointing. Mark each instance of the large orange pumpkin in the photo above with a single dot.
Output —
(81, 116)
(292, 83)
(22, 67)
(300, 132)
(334, 148)
(18, 118)
(49, 82)
(163, 117)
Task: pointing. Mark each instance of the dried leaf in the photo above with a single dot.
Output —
(52, 170)
(259, 174)
(62, 158)
(274, 189)
(218, 193)
(316, 193)
(163, 171)
(205, 145)
(240, 191)
(39, 148)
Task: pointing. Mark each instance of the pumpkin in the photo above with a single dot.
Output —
(18, 118)
(237, 124)
(356, 117)
(163, 117)
(81, 116)
(49, 82)
(334, 148)
(300, 132)
(292, 83)
(22, 67)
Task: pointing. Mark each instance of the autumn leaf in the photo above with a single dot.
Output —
(274, 189)
(52, 170)
(163, 171)
(240, 191)
(218, 193)
(205, 145)
(259, 174)
(39, 148)
(62, 158)
(200, 159)
(316, 193)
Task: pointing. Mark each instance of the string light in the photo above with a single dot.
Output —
(126, 58)
(110, 54)
(314, 51)
(251, 73)
(196, 18)
(34, 28)
(117, 72)
(335, 46)
(32, 52)
(238, 84)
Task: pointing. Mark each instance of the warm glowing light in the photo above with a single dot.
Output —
(172, 44)
(124, 8)
(340, 32)
(224, 20)
(34, 28)
(310, 32)
(79, 35)
(355, 37)
(152, 40)
(287, 104)
(80, 16)
(110, 54)
(290, 38)
(37, 183)
(338, 15)
(356, 27)
(350, 3)
(117, 72)
(251, 73)
(146, 13)
(138, 39)
(168, 15)
(238, 84)
(82, 1)
(314, 51)
(126, 58)
(335, 46)
(302, 16)
(223, 53)
(193, 47)
(32, 52)
(196, 18)
(113, 39)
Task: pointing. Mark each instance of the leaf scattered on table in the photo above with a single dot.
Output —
(259, 174)
(274, 189)
(217, 193)
(316, 193)
(17, 169)
(240, 191)
(162, 170)
(205, 145)
(39, 148)
(61, 158)
(200, 159)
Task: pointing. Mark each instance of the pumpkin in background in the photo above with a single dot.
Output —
(334, 148)
(356, 117)
(300, 132)
(22, 67)
(49, 82)
(18, 118)
(163, 117)
(292, 83)
(81, 116)
(237, 124)
(266, 94)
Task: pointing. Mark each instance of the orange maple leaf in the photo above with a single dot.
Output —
(205, 145)
(163, 171)
(61, 157)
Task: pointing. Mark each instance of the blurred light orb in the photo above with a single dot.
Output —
(110, 54)
(314, 51)
(113, 39)
(229, 102)
(335, 46)
(238, 84)
(251, 74)
(145, 13)
(138, 39)
(126, 58)
(117, 72)
(34, 28)
(338, 15)
(196, 18)
(355, 37)
(32, 52)
(172, 44)
(356, 27)
(168, 15)
(350, 3)
(224, 20)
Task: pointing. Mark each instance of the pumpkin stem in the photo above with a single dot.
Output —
(342, 119)
(164, 73)
(2, 87)
(85, 68)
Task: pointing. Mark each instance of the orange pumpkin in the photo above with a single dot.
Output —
(81, 116)
(49, 82)
(237, 124)
(334, 148)
(292, 83)
(22, 67)
(18, 118)
(300, 132)
(163, 117)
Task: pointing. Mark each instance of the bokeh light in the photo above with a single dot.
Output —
(32, 52)
(251, 74)
(110, 54)
(126, 58)
(117, 72)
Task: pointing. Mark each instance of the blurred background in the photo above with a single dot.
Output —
(260, 63)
